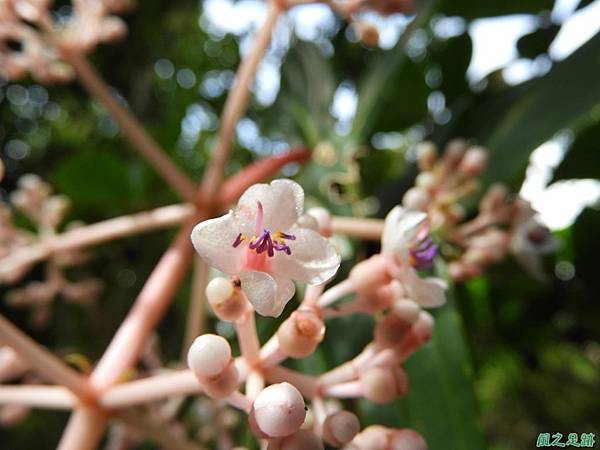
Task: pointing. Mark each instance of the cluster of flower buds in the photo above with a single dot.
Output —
(262, 244)
(503, 224)
(34, 39)
(34, 200)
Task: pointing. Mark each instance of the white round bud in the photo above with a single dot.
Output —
(426, 180)
(323, 218)
(416, 198)
(209, 355)
(278, 411)
(218, 290)
(474, 161)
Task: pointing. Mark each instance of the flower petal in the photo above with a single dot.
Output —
(213, 240)
(282, 201)
(427, 292)
(314, 259)
(401, 227)
(268, 293)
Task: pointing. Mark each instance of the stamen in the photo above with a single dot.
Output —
(265, 242)
(238, 240)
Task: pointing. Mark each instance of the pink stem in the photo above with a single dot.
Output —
(351, 389)
(271, 354)
(335, 293)
(306, 384)
(95, 234)
(248, 338)
(236, 103)
(42, 360)
(255, 383)
(50, 397)
(84, 430)
(148, 309)
(196, 316)
(370, 229)
(150, 389)
(239, 401)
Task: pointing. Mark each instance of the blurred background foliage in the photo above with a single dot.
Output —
(512, 357)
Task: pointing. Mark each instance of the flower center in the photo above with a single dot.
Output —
(265, 240)
(423, 251)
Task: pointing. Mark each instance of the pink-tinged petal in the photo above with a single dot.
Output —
(213, 240)
(314, 259)
(282, 202)
(427, 292)
(268, 293)
(401, 227)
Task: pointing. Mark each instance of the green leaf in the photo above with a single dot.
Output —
(441, 403)
(581, 160)
(519, 119)
(93, 178)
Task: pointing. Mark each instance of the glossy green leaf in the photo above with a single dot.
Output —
(441, 403)
(93, 178)
(514, 122)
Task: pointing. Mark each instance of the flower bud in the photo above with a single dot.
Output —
(374, 437)
(301, 333)
(407, 439)
(340, 428)
(307, 221)
(225, 299)
(384, 384)
(300, 440)
(494, 198)
(426, 180)
(278, 411)
(382, 298)
(423, 327)
(426, 155)
(377, 437)
(112, 29)
(454, 152)
(323, 218)
(474, 161)
(416, 198)
(370, 274)
(391, 330)
(209, 355)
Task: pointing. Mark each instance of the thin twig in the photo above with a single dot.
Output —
(157, 387)
(148, 309)
(97, 233)
(49, 397)
(197, 310)
(236, 103)
(42, 360)
(84, 430)
(370, 229)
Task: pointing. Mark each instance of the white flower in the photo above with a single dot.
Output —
(261, 242)
(407, 244)
(530, 239)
